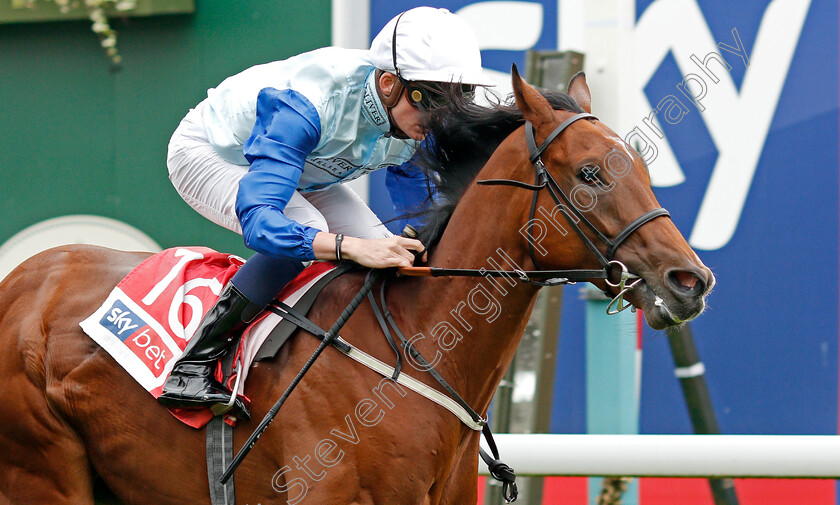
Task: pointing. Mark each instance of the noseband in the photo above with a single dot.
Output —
(544, 180)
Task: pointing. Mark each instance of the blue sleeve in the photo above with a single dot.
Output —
(409, 189)
(286, 131)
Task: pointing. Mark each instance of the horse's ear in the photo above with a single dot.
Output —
(579, 91)
(535, 108)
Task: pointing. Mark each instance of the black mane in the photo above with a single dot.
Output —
(464, 136)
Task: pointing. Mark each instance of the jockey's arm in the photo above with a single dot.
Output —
(411, 191)
(288, 129)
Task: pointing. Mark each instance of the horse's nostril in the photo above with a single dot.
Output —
(686, 279)
(685, 282)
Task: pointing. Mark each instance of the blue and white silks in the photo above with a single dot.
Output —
(304, 124)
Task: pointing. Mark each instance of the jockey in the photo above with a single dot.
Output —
(266, 152)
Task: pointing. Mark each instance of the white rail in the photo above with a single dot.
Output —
(737, 456)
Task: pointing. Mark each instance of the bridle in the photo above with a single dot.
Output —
(544, 180)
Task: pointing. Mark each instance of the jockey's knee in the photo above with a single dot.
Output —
(262, 277)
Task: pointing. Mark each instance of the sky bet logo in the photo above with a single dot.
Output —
(120, 321)
(138, 336)
(738, 120)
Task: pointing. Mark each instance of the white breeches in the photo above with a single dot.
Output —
(209, 183)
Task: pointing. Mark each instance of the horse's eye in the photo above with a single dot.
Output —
(589, 175)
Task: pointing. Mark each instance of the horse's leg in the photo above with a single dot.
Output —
(462, 487)
(52, 470)
(43, 459)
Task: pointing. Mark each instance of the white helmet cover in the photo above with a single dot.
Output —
(431, 45)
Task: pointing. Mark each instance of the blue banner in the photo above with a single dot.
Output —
(752, 184)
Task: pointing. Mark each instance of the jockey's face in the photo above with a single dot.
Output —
(406, 117)
(409, 119)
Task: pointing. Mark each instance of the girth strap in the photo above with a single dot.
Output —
(285, 328)
(219, 453)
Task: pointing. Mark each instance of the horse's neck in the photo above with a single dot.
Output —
(489, 314)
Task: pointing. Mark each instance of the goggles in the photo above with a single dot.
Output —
(427, 96)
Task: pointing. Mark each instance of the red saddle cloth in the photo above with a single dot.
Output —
(147, 320)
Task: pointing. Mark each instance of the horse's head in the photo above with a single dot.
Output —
(600, 179)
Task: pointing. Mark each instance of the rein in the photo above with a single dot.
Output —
(552, 277)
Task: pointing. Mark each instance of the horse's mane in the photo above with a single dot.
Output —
(463, 137)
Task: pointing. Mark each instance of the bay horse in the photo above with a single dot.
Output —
(346, 435)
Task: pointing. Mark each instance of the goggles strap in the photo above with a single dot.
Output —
(389, 101)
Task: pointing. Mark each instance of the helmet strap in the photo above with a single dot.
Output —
(389, 101)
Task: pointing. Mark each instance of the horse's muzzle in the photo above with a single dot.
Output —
(679, 297)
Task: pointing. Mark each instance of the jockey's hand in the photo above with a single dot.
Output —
(381, 252)
(373, 253)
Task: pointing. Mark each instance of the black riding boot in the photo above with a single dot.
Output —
(192, 383)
